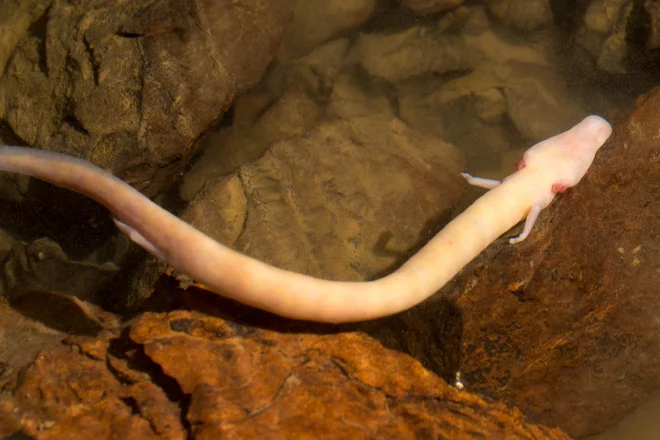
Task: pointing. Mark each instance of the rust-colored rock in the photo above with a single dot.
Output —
(66, 393)
(208, 378)
(21, 340)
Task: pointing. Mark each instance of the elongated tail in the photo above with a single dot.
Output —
(298, 296)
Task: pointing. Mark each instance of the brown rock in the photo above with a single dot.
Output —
(527, 15)
(210, 378)
(65, 395)
(267, 384)
(653, 10)
(42, 265)
(429, 6)
(285, 105)
(21, 340)
(349, 186)
(414, 52)
(349, 99)
(604, 34)
(512, 98)
(6, 243)
(538, 101)
(43, 294)
(130, 85)
(227, 150)
(317, 21)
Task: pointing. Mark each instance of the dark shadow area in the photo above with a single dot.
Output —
(57, 311)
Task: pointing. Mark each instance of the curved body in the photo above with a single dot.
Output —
(549, 166)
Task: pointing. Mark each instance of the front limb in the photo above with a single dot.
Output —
(480, 181)
(532, 216)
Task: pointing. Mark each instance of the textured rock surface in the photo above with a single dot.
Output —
(316, 21)
(44, 294)
(129, 86)
(190, 375)
(71, 392)
(604, 33)
(287, 105)
(429, 6)
(653, 9)
(42, 265)
(21, 340)
(511, 96)
(291, 115)
(414, 52)
(621, 35)
(527, 15)
(346, 185)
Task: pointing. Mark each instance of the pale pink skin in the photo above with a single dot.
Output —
(547, 168)
(567, 156)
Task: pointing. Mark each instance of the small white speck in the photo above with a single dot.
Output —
(458, 384)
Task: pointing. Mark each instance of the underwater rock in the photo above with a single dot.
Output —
(186, 374)
(526, 15)
(652, 8)
(430, 6)
(130, 85)
(413, 52)
(77, 389)
(313, 73)
(538, 101)
(512, 98)
(225, 151)
(6, 243)
(317, 21)
(42, 265)
(620, 35)
(44, 295)
(21, 340)
(350, 99)
(286, 104)
(344, 185)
